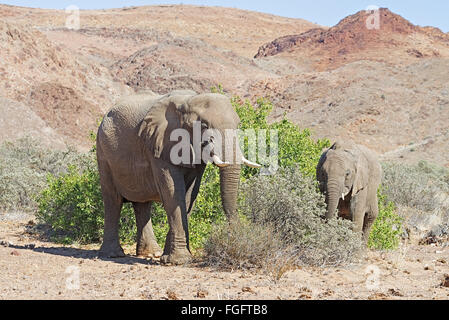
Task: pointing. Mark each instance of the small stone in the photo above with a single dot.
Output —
(171, 295)
(395, 293)
(201, 294)
(247, 289)
(15, 253)
(445, 282)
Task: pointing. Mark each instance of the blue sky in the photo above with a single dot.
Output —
(431, 12)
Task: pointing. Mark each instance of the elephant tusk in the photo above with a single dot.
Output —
(251, 164)
(343, 196)
(219, 163)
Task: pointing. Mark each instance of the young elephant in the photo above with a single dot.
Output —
(349, 176)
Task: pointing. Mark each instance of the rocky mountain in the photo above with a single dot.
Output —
(386, 88)
(392, 39)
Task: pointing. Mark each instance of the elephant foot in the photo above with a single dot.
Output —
(151, 250)
(111, 250)
(177, 257)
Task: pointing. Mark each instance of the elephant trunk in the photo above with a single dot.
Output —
(332, 198)
(229, 184)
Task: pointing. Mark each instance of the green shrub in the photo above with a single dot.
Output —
(387, 229)
(208, 210)
(296, 147)
(72, 206)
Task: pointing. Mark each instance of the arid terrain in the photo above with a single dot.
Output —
(32, 269)
(386, 88)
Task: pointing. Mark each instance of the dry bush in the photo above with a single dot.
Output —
(290, 203)
(421, 192)
(241, 244)
(421, 186)
(286, 228)
(24, 167)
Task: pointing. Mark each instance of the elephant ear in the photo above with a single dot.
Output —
(361, 174)
(164, 117)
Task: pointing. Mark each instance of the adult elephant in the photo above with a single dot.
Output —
(136, 164)
(349, 176)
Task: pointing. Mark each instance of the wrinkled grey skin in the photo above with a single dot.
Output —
(352, 172)
(133, 151)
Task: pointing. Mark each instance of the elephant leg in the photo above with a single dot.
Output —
(113, 203)
(358, 210)
(173, 193)
(147, 245)
(193, 183)
(370, 218)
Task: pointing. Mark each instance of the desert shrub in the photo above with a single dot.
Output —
(24, 166)
(289, 203)
(387, 229)
(423, 186)
(241, 244)
(420, 193)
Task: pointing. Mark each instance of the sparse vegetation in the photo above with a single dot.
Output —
(241, 245)
(421, 186)
(289, 203)
(24, 166)
(421, 193)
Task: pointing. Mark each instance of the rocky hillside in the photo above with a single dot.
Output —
(395, 41)
(66, 91)
(384, 88)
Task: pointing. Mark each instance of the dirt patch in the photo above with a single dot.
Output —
(33, 269)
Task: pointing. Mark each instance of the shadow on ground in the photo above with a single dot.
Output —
(84, 254)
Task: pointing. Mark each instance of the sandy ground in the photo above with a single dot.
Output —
(32, 269)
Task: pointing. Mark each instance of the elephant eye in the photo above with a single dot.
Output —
(348, 173)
